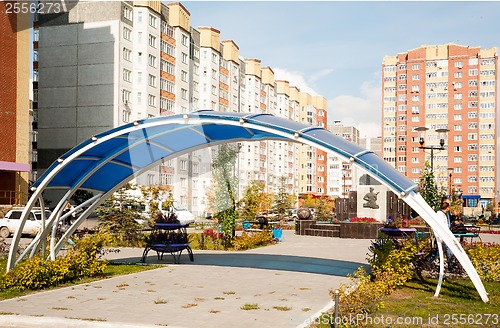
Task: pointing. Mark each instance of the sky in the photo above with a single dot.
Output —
(335, 49)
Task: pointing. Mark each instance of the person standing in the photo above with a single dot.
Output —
(444, 216)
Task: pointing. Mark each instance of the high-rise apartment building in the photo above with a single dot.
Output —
(15, 111)
(124, 61)
(449, 87)
(341, 174)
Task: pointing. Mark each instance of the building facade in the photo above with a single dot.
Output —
(125, 61)
(449, 87)
(15, 111)
(342, 176)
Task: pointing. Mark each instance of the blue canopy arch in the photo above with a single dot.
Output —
(107, 161)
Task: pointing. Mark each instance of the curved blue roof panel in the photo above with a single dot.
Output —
(112, 157)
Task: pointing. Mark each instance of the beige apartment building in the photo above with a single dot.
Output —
(130, 60)
(445, 87)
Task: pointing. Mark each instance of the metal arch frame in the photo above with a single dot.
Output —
(410, 196)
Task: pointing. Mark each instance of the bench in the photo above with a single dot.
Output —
(168, 238)
(174, 249)
(472, 232)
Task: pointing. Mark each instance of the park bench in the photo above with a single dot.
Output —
(168, 238)
(472, 232)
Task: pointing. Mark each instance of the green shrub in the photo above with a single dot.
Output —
(486, 259)
(252, 240)
(392, 261)
(84, 260)
(120, 224)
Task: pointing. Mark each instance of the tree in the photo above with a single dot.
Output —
(251, 203)
(224, 187)
(283, 200)
(429, 189)
(323, 209)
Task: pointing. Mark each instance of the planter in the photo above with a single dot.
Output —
(278, 234)
(359, 230)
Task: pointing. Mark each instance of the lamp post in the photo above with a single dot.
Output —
(450, 170)
(343, 189)
(421, 134)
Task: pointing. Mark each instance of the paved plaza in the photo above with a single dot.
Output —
(289, 282)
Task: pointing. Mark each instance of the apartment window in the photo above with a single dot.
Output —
(457, 85)
(183, 164)
(458, 64)
(139, 16)
(126, 96)
(472, 114)
(152, 41)
(184, 58)
(472, 83)
(457, 138)
(184, 40)
(152, 21)
(127, 54)
(151, 100)
(152, 61)
(127, 34)
(214, 90)
(472, 136)
(473, 94)
(457, 149)
(457, 96)
(139, 98)
(457, 75)
(457, 106)
(472, 147)
(457, 117)
(127, 13)
(152, 81)
(473, 72)
(415, 67)
(184, 94)
(402, 77)
(184, 76)
(127, 75)
(126, 116)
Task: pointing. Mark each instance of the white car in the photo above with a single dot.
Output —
(10, 223)
(183, 215)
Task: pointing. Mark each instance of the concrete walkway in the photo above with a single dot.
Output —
(289, 283)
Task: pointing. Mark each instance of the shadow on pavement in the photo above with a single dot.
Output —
(259, 261)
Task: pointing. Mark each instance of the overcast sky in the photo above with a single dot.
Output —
(335, 49)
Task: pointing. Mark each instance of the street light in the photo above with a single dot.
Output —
(450, 169)
(421, 134)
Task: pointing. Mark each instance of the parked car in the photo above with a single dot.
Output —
(10, 223)
(183, 215)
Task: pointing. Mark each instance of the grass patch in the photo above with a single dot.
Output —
(282, 308)
(213, 311)
(457, 296)
(88, 319)
(306, 309)
(161, 301)
(416, 305)
(190, 305)
(250, 306)
(229, 293)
